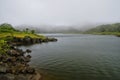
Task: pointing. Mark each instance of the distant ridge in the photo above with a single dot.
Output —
(105, 28)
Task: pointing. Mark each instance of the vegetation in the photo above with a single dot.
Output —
(8, 33)
(8, 30)
(3, 47)
(14, 60)
(109, 29)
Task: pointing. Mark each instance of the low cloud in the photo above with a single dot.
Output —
(59, 12)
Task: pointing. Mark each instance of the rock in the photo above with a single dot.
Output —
(52, 39)
(13, 52)
(30, 70)
(28, 51)
(12, 59)
(35, 76)
(4, 77)
(29, 56)
(33, 41)
(14, 64)
(24, 59)
(27, 40)
(27, 59)
(4, 58)
(118, 35)
(21, 59)
(1, 57)
(3, 69)
(20, 77)
(9, 76)
(12, 47)
(40, 40)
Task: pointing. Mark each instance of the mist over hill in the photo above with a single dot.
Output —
(105, 28)
(57, 28)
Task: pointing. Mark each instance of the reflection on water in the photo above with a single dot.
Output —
(79, 57)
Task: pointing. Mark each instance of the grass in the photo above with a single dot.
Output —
(21, 35)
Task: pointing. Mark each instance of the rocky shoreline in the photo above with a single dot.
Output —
(16, 41)
(14, 65)
(118, 35)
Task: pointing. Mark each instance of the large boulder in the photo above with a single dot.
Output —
(27, 40)
(3, 69)
(14, 52)
(28, 51)
(9, 76)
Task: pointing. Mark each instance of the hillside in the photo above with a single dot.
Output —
(113, 29)
(5, 27)
(8, 30)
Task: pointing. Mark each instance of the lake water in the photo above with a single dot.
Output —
(79, 57)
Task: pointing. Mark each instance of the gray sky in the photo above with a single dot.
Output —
(59, 12)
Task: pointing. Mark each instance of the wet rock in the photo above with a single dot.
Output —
(40, 40)
(28, 51)
(52, 39)
(21, 77)
(12, 59)
(8, 77)
(3, 77)
(27, 59)
(4, 58)
(14, 64)
(21, 59)
(1, 57)
(30, 70)
(13, 53)
(33, 41)
(27, 40)
(118, 35)
(29, 56)
(15, 39)
(12, 47)
(3, 69)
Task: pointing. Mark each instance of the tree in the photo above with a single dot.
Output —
(32, 31)
(27, 30)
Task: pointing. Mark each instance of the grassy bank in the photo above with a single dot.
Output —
(20, 35)
(8, 30)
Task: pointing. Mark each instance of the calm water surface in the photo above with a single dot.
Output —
(79, 57)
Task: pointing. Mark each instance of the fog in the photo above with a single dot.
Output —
(59, 13)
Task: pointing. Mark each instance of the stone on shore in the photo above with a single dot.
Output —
(14, 65)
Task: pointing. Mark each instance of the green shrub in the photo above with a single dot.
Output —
(3, 47)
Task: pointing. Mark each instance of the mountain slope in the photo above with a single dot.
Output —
(105, 29)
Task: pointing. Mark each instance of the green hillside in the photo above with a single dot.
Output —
(108, 29)
(6, 28)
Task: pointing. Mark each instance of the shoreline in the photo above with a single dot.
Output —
(15, 63)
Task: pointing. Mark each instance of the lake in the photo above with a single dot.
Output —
(78, 57)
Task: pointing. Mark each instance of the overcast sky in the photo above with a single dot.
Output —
(59, 12)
